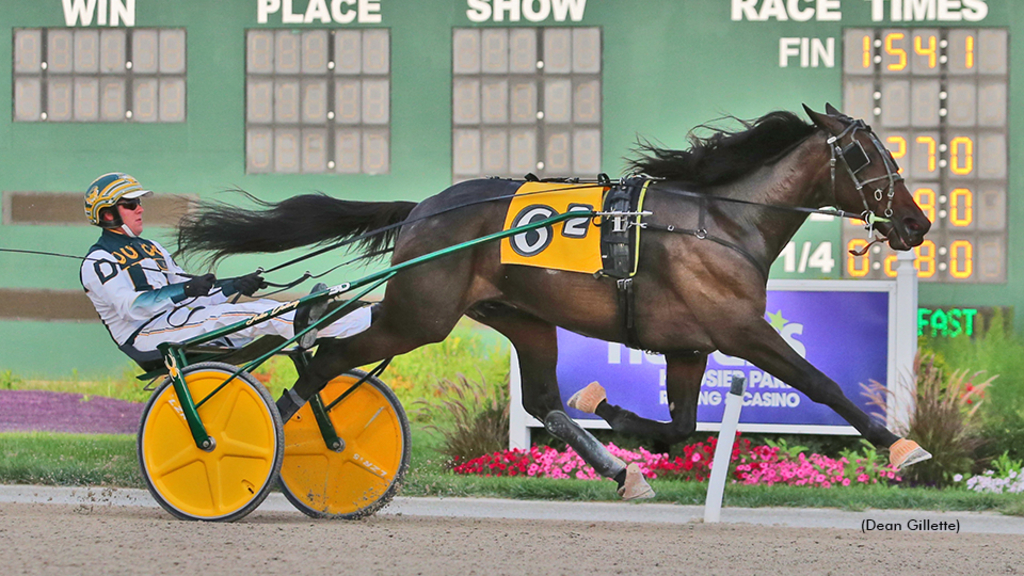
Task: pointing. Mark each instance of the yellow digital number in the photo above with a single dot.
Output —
(866, 43)
(928, 50)
(969, 52)
(888, 265)
(901, 148)
(857, 266)
(925, 198)
(925, 261)
(961, 266)
(929, 143)
(899, 53)
(961, 199)
(965, 164)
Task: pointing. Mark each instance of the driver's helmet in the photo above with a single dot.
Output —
(105, 191)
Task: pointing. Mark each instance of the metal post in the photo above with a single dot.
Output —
(904, 389)
(723, 450)
(518, 431)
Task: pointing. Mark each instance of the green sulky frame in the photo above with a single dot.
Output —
(176, 360)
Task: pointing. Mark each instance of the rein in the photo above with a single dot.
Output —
(83, 259)
(868, 216)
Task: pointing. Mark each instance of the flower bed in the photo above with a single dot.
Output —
(753, 465)
(1006, 477)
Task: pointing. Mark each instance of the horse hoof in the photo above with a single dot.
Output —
(635, 487)
(905, 452)
(587, 399)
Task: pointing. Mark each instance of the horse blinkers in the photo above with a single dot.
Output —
(855, 156)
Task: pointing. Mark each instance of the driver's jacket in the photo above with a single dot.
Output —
(132, 281)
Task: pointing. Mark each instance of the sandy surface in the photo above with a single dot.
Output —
(98, 539)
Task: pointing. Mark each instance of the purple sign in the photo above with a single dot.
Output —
(843, 334)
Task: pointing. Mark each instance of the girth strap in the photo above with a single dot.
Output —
(627, 303)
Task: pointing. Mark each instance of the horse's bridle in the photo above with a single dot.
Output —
(855, 158)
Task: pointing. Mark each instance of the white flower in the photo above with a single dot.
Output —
(958, 477)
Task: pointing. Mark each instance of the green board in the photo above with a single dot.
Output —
(665, 66)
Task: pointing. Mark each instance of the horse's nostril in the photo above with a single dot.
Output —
(914, 225)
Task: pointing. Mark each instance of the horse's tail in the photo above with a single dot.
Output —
(220, 229)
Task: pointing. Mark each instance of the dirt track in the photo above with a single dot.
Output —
(59, 539)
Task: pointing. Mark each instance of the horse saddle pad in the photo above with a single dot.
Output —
(573, 245)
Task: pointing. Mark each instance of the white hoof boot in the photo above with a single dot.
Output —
(636, 486)
(587, 399)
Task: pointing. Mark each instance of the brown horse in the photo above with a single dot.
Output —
(692, 296)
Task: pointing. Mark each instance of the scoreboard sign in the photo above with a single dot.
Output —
(938, 98)
(384, 100)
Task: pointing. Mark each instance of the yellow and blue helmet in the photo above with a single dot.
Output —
(106, 190)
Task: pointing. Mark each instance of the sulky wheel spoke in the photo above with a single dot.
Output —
(240, 449)
(355, 429)
(214, 481)
(184, 457)
(312, 446)
(219, 421)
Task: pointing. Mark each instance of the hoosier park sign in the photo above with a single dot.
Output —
(822, 321)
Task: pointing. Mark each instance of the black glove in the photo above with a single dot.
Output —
(247, 285)
(200, 285)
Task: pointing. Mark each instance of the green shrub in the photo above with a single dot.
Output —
(8, 381)
(945, 420)
(471, 417)
(997, 349)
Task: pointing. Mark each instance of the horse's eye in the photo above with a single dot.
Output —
(855, 156)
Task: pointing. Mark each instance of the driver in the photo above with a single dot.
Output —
(144, 298)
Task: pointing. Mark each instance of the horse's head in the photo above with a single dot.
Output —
(866, 179)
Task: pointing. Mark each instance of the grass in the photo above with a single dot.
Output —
(109, 460)
(69, 459)
(121, 386)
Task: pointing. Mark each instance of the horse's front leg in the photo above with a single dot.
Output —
(684, 373)
(760, 344)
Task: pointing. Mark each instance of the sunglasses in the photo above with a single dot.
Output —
(130, 204)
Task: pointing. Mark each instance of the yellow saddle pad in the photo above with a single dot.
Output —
(573, 245)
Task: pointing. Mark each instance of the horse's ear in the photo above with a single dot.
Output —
(827, 123)
(831, 110)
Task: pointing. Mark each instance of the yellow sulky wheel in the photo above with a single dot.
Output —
(234, 477)
(367, 470)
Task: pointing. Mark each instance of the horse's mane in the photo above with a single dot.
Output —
(725, 155)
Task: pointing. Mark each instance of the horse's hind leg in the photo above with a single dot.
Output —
(536, 345)
(399, 326)
(684, 373)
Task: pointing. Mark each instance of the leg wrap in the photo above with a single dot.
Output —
(560, 425)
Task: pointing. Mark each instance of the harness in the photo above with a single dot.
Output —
(856, 159)
(622, 205)
(620, 243)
